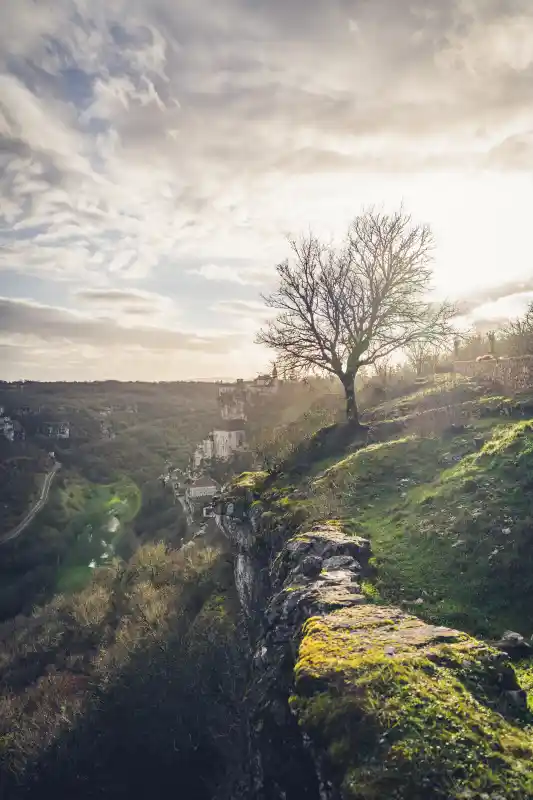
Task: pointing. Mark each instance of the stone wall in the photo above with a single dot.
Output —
(515, 374)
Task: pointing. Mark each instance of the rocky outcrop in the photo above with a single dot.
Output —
(394, 707)
(352, 700)
(514, 645)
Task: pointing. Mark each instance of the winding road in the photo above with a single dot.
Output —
(15, 532)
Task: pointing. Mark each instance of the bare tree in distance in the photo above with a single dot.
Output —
(470, 344)
(519, 334)
(421, 354)
(340, 309)
(383, 369)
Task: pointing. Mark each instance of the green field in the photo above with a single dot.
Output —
(91, 510)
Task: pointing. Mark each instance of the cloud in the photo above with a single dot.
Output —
(227, 274)
(128, 302)
(515, 289)
(502, 310)
(37, 322)
(117, 296)
(246, 316)
(39, 342)
(243, 308)
(514, 153)
(153, 137)
(494, 307)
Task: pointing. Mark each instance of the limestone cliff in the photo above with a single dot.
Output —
(353, 700)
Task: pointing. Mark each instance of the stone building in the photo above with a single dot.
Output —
(205, 451)
(229, 438)
(202, 488)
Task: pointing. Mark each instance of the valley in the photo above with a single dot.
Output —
(117, 611)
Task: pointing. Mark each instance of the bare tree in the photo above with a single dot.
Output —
(384, 370)
(519, 334)
(340, 309)
(468, 345)
(421, 354)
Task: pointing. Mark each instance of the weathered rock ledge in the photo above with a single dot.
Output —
(352, 700)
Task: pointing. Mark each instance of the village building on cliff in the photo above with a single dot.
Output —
(229, 437)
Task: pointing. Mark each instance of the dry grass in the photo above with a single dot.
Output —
(58, 666)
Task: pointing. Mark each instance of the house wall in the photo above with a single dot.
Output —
(222, 444)
(202, 491)
(237, 440)
(228, 442)
(205, 450)
(233, 409)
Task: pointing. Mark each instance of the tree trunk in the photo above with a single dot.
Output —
(352, 414)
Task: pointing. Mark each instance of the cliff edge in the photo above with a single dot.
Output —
(354, 699)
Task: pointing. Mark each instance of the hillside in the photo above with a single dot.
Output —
(132, 429)
(382, 564)
(116, 432)
(440, 486)
(140, 674)
(112, 423)
(372, 555)
(121, 437)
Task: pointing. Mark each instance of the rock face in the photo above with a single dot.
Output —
(356, 701)
(514, 645)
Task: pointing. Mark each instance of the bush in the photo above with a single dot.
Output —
(141, 674)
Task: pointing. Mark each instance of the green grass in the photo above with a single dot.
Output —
(449, 516)
(448, 523)
(249, 480)
(73, 579)
(450, 520)
(122, 497)
(524, 672)
(439, 392)
(89, 509)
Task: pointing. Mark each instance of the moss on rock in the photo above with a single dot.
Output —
(249, 480)
(403, 709)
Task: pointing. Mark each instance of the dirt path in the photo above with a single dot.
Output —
(41, 502)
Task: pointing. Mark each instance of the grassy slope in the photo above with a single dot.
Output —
(448, 515)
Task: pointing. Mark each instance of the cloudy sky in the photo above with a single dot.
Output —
(155, 153)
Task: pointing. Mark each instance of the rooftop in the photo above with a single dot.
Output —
(204, 480)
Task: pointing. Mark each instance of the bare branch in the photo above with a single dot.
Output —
(341, 309)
